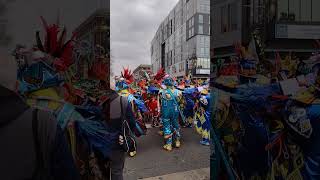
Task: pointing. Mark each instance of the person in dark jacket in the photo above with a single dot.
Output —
(118, 121)
(33, 145)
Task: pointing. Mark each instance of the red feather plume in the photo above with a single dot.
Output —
(127, 75)
(160, 74)
(56, 46)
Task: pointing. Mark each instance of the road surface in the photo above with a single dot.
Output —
(152, 162)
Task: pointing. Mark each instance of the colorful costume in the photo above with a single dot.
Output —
(41, 72)
(137, 106)
(202, 120)
(170, 113)
(189, 103)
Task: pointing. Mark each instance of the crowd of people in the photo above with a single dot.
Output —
(74, 127)
(267, 115)
(168, 103)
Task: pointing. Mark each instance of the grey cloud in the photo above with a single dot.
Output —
(133, 25)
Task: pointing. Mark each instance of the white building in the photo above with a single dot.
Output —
(183, 39)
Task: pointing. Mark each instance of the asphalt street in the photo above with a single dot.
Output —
(151, 160)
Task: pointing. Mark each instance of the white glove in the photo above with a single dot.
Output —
(121, 141)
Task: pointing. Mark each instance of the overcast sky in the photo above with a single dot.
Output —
(133, 25)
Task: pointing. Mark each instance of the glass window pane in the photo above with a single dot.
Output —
(224, 19)
(294, 10)
(315, 11)
(306, 11)
(283, 9)
(200, 29)
(234, 16)
(200, 18)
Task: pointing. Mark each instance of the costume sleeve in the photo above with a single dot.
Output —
(63, 166)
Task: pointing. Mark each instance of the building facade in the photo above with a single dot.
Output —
(181, 44)
(139, 72)
(96, 30)
(283, 25)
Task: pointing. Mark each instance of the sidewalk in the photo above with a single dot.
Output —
(197, 174)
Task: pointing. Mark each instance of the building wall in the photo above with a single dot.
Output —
(140, 70)
(96, 30)
(180, 33)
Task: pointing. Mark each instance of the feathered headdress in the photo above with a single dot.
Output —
(160, 75)
(56, 46)
(127, 75)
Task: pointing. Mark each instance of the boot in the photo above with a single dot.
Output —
(133, 153)
(205, 142)
(168, 147)
(177, 143)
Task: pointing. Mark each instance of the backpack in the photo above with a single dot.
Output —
(129, 144)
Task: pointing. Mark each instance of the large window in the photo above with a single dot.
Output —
(229, 15)
(203, 63)
(200, 18)
(224, 19)
(200, 29)
(299, 10)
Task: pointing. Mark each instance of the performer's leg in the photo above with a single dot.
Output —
(117, 165)
(205, 133)
(176, 129)
(167, 134)
(160, 127)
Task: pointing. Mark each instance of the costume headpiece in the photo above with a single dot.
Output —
(39, 67)
(168, 81)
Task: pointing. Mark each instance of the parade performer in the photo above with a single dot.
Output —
(41, 72)
(136, 106)
(202, 116)
(189, 103)
(169, 100)
(152, 104)
(152, 87)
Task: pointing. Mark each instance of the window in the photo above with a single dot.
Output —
(200, 18)
(200, 29)
(192, 22)
(294, 10)
(192, 31)
(299, 10)
(305, 11)
(233, 16)
(229, 15)
(224, 19)
(315, 10)
(202, 51)
(171, 26)
(206, 51)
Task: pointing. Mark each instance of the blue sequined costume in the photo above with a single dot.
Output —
(170, 114)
